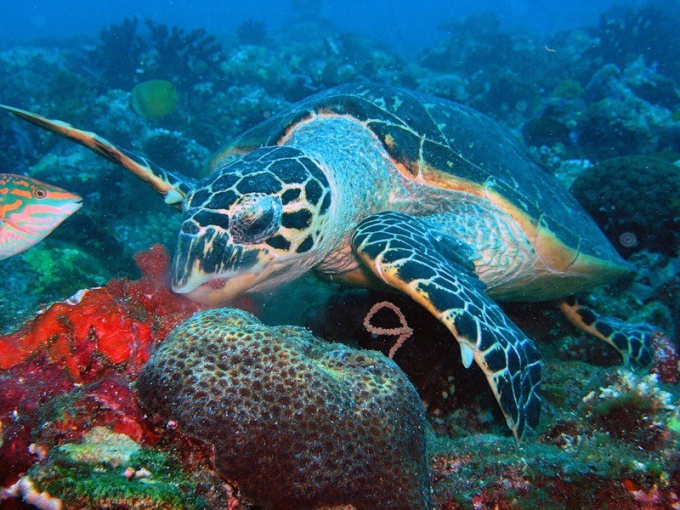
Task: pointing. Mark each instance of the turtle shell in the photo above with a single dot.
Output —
(448, 145)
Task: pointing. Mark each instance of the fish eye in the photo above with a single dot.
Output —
(39, 192)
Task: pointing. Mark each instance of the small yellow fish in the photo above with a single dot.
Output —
(154, 99)
(29, 211)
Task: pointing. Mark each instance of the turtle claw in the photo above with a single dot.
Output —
(467, 355)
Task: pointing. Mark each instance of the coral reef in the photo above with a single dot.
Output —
(629, 111)
(75, 270)
(108, 403)
(186, 57)
(99, 336)
(26, 388)
(292, 418)
(172, 149)
(490, 67)
(628, 409)
(666, 359)
(608, 438)
(488, 472)
(647, 28)
(576, 462)
(545, 130)
(623, 196)
(119, 52)
(126, 55)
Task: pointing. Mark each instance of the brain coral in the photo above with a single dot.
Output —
(297, 422)
(636, 202)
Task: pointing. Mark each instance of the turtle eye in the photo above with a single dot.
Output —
(255, 218)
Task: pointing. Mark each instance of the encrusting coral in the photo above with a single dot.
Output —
(104, 327)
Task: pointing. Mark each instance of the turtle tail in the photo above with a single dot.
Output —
(173, 186)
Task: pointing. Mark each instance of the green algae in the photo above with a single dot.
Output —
(673, 424)
(61, 270)
(568, 89)
(78, 488)
(497, 472)
(100, 446)
(106, 470)
(626, 402)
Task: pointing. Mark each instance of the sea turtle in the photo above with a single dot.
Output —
(367, 183)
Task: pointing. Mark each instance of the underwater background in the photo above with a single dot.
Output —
(591, 89)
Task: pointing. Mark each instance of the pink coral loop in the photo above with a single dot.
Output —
(403, 330)
(666, 362)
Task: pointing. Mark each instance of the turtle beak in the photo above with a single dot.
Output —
(219, 291)
(211, 270)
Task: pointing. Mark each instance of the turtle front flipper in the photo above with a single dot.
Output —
(173, 186)
(633, 341)
(434, 269)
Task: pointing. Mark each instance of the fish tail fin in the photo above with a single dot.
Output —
(173, 186)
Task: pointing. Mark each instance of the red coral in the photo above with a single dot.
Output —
(104, 328)
(27, 386)
(97, 334)
(101, 337)
(653, 499)
(24, 389)
(107, 403)
(666, 358)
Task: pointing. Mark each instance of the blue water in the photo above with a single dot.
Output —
(387, 21)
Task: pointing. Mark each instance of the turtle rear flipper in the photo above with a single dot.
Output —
(633, 341)
(173, 186)
(407, 254)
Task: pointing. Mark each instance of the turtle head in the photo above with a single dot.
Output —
(251, 225)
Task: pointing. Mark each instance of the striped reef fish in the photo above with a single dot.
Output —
(29, 211)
